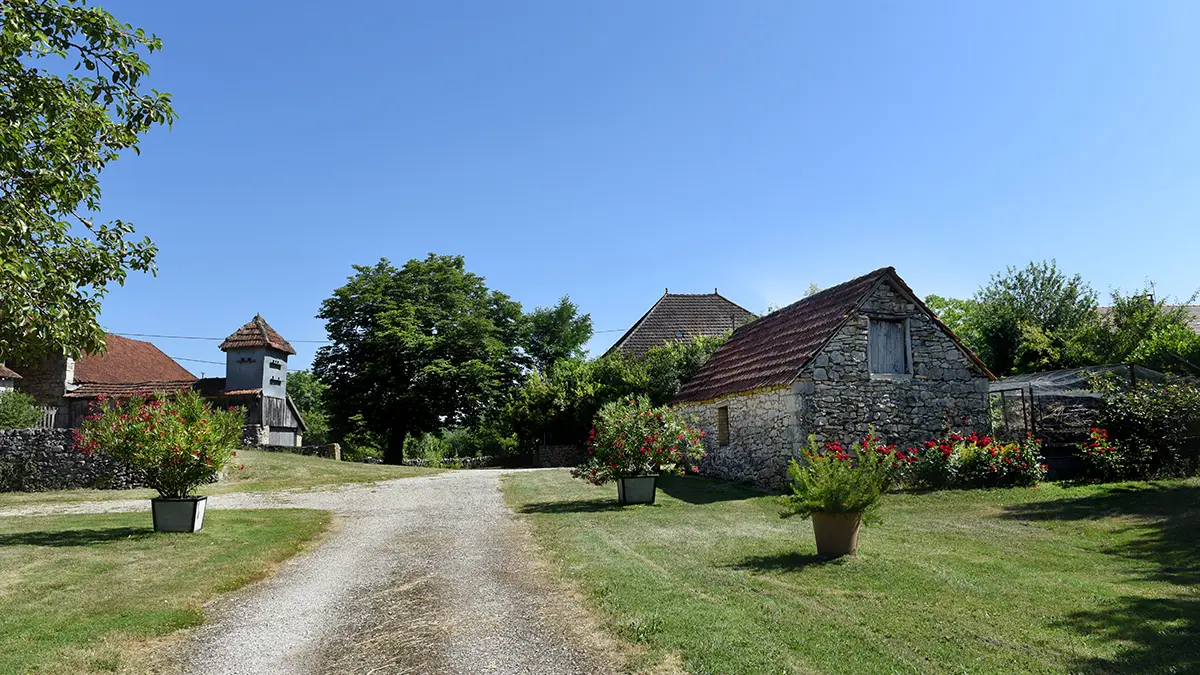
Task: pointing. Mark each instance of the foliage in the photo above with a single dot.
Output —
(633, 438)
(450, 444)
(831, 480)
(558, 406)
(1101, 460)
(308, 393)
(60, 132)
(1154, 424)
(18, 410)
(959, 317)
(417, 348)
(954, 460)
(553, 334)
(1031, 319)
(178, 444)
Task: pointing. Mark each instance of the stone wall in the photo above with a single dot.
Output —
(839, 398)
(46, 459)
(481, 462)
(330, 451)
(560, 455)
(762, 436)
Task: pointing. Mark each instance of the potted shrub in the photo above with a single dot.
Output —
(633, 442)
(837, 489)
(176, 444)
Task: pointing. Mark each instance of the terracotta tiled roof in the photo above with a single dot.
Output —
(679, 317)
(129, 361)
(8, 373)
(256, 334)
(127, 389)
(772, 350)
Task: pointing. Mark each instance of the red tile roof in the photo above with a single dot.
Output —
(8, 373)
(129, 361)
(256, 334)
(127, 389)
(772, 350)
(682, 317)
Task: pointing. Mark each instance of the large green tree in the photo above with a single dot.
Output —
(1031, 318)
(73, 97)
(556, 333)
(417, 348)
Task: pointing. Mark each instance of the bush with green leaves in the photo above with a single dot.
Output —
(18, 411)
(1102, 461)
(177, 443)
(954, 460)
(1156, 425)
(831, 479)
(632, 438)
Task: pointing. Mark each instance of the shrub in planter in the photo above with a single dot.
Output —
(632, 441)
(1101, 460)
(837, 489)
(177, 444)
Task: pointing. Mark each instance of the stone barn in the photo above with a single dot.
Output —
(865, 352)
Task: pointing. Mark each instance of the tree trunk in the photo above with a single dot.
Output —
(393, 452)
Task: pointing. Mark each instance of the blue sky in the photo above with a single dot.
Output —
(610, 150)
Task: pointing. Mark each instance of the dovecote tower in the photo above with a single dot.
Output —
(256, 359)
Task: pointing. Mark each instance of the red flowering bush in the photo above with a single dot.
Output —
(1102, 460)
(985, 462)
(957, 461)
(832, 480)
(178, 444)
(631, 438)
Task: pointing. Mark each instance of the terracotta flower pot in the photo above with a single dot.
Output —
(178, 515)
(637, 490)
(837, 533)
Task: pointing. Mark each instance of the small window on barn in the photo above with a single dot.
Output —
(723, 425)
(888, 346)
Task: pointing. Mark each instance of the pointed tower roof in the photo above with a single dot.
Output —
(256, 334)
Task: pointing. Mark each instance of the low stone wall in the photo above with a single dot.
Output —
(46, 459)
(560, 455)
(464, 462)
(330, 451)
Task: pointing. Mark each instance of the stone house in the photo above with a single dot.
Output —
(866, 352)
(681, 317)
(256, 380)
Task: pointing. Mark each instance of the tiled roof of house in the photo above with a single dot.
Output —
(257, 333)
(1192, 314)
(772, 350)
(679, 317)
(129, 361)
(127, 389)
(7, 373)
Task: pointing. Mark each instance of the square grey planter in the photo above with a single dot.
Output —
(178, 515)
(637, 490)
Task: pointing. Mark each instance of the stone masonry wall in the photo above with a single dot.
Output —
(46, 459)
(560, 455)
(839, 397)
(762, 436)
(46, 381)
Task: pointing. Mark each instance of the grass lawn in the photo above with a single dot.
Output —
(265, 471)
(91, 593)
(1047, 579)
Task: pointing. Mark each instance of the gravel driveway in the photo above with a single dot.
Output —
(420, 575)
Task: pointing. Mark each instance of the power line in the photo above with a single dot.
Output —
(219, 339)
(181, 358)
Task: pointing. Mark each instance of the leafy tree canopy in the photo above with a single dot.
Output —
(417, 348)
(308, 393)
(72, 98)
(556, 333)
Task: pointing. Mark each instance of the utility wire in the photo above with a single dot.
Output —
(218, 339)
(181, 358)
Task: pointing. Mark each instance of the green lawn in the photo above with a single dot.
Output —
(94, 592)
(265, 471)
(1047, 579)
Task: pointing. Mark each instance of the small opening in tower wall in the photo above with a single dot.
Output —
(276, 381)
(277, 365)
